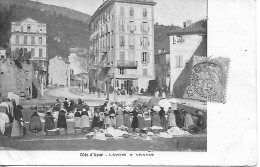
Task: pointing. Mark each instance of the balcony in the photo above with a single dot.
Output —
(127, 64)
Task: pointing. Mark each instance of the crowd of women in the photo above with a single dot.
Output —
(113, 114)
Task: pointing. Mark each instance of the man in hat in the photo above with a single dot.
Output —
(201, 121)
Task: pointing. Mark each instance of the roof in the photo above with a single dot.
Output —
(199, 27)
(107, 3)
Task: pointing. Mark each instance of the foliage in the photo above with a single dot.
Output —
(63, 32)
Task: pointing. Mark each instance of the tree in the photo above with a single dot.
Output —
(162, 70)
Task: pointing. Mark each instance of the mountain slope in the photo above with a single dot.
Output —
(63, 32)
(73, 14)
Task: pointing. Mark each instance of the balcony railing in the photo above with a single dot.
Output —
(127, 64)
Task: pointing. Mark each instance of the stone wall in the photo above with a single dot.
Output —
(17, 77)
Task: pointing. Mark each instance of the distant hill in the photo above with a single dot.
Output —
(63, 32)
(73, 14)
(161, 39)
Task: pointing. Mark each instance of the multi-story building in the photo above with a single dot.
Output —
(59, 71)
(185, 44)
(78, 67)
(122, 43)
(28, 40)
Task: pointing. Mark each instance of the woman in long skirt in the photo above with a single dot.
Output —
(126, 117)
(119, 118)
(112, 115)
(35, 123)
(171, 118)
(96, 121)
(49, 121)
(62, 123)
(163, 119)
(77, 123)
(156, 121)
(84, 119)
(107, 121)
(141, 121)
(134, 124)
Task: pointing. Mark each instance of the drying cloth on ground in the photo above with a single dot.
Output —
(114, 132)
(165, 135)
(174, 131)
(99, 136)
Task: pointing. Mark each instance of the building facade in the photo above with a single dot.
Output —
(2, 53)
(59, 72)
(28, 41)
(78, 70)
(185, 44)
(122, 44)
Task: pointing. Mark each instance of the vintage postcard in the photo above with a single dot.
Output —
(128, 82)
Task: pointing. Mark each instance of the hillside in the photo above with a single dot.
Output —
(63, 32)
(73, 14)
(161, 39)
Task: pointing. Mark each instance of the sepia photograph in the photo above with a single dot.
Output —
(106, 76)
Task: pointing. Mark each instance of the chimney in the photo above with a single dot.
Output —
(184, 24)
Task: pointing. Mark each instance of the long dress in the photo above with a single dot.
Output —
(119, 119)
(135, 120)
(49, 122)
(179, 118)
(127, 122)
(84, 120)
(163, 119)
(156, 121)
(96, 122)
(77, 120)
(62, 123)
(107, 121)
(188, 121)
(35, 123)
(112, 117)
(171, 119)
(141, 122)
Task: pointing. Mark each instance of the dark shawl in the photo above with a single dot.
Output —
(62, 120)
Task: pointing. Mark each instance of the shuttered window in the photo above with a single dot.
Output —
(145, 58)
(131, 12)
(122, 11)
(33, 40)
(121, 40)
(40, 52)
(131, 55)
(131, 39)
(179, 61)
(122, 56)
(25, 39)
(33, 52)
(17, 39)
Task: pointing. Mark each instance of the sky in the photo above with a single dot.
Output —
(166, 12)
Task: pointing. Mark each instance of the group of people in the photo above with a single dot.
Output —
(11, 114)
(113, 114)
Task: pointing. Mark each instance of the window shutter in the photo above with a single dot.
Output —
(176, 61)
(142, 55)
(128, 27)
(140, 41)
(141, 27)
(119, 25)
(148, 57)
